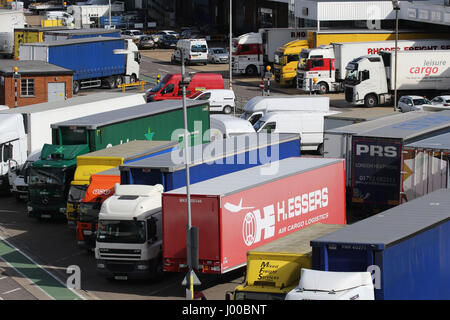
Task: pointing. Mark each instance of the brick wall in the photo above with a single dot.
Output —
(40, 89)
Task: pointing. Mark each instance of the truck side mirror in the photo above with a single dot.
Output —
(8, 152)
(228, 295)
(151, 228)
(13, 165)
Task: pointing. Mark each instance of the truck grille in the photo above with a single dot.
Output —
(348, 94)
(126, 254)
(120, 266)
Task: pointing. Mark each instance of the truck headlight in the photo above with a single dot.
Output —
(101, 265)
(142, 266)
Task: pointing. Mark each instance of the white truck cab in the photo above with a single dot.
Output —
(258, 106)
(18, 175)
(247, 55)
(225, 126)
(328, 285)
(129, 236)
(308, 124)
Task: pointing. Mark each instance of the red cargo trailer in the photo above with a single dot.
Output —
(240, 211)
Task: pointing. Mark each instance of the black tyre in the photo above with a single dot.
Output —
(227, 109)
(294, 83)
(76, 87)
(119, 81)
(323, 88)
(133, 78)
(370, 101)
(251, 71)
(111, 82)
(320, 149)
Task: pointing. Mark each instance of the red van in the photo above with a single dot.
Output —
(169, 88)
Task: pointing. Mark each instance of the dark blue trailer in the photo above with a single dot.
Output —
(96, 61)
(211, 160)
(410, 244)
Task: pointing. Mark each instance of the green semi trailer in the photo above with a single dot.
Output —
(51, 175)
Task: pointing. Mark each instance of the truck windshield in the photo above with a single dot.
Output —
(304, 54)
(352, 76)
(278, 58)
(76, 193)
(258, 125)
(43, 176)
(242, 295)
(89, 211)
(121, 231)
(160, 85)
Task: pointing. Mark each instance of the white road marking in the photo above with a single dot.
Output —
(162, 70)
(3, 278)
(13, 290)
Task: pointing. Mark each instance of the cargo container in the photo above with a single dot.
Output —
(425, 166)
(406, 248)
(370, 81)
(347, 118)
(105, 159)
(96, 61)
(247, 54)
(274, 38)
(373, 152)
(27, 129)
(156, 121)
(327, 63)
(211, 160)
(241, 211)
(9, 20)
(274, 269)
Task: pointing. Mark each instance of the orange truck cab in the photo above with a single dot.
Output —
(169, 87)
(101, 187)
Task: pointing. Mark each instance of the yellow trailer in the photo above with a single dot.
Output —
(28, 35)
(274, 268)
(286, 69)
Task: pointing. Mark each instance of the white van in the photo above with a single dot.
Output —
(259, 106)
(309, 124)
(195, 51)
(220, 100)
(224, 126)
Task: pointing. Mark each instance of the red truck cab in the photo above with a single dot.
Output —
(169, 87)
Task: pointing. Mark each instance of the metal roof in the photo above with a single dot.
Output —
(170, 162)
(439, 142)
(31, 67)
(363, 114)
(95, 121)
(248, 178)
(402, 125)
(110, 172)
(299, 242)
(394, 225)
(83, 31)
(65, 42)
(132, 149)
(91, 98)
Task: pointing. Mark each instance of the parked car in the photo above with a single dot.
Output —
(133, 34)
(441, 100)
(146, 42)
(412, 103)
(218, 55)
(220, 100)
(168, 41)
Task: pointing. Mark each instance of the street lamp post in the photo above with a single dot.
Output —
(396, 7)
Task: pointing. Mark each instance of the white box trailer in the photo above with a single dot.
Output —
(273, 38)
(84, 15)
(9, 20)
(370, 79)
(24, 130)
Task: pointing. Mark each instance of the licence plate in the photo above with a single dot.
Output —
(46, 216)
(120, 277)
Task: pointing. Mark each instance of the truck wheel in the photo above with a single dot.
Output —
(323, 88)
(119, 81)
(111, 82)
(227, 109)
(76, 87)
(251, 71)
(320, 149)
(370, 101)
(133, 78)
(294, 83)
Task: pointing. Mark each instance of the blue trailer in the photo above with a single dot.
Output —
(410, 244)
(231, 155)
(96, 61)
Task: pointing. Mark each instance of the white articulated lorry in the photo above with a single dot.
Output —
(370, 79)
(247, 54)
(24, 130)
(129, 236)
(327, 63)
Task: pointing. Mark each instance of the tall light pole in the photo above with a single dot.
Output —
(396, 7)
(231, 45)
